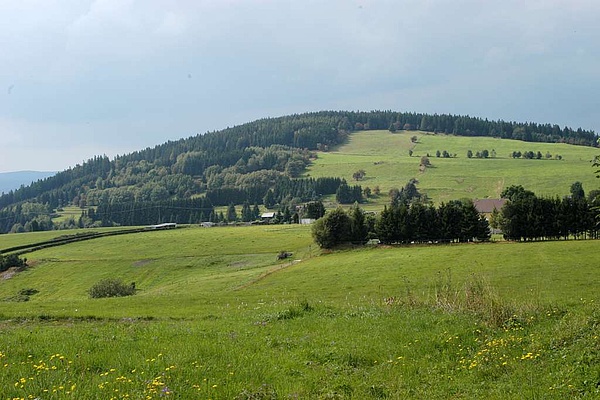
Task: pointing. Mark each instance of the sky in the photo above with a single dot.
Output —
(80, 78)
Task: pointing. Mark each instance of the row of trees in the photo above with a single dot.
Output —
(444, 154)
(528, 217)
(409, 219)
(531, 155)
(346, 194)
(485, 153)
(455, 221)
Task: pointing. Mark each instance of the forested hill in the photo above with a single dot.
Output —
(243, 162)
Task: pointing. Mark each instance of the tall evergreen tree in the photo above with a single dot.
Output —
(247, 214)
(358, 226)
(231, 213)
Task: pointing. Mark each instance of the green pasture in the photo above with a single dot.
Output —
(164, 264)
(385, 158)
(17, 239)
(66, 213)
(216, 316)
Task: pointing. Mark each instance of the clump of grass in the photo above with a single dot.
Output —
(292, 312)
(295, 311)
(264, 392)
(23, 295)
(476, 296)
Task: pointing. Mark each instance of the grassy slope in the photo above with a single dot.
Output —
(67, 213)
(229, 320)
(174, 263)
(384, 157)
(196, 263)
(12, 240)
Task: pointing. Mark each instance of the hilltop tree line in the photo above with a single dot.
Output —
(256, 154)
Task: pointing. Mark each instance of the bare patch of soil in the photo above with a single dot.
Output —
(9, 273)
(141, 263)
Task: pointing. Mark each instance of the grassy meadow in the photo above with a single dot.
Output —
(385, 158)
(66, 213)
(216, 316)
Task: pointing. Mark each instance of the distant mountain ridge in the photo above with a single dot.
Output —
(13, 180)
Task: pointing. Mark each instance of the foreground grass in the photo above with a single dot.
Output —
(313, 352)
(217, 317)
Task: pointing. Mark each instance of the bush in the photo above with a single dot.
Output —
(11, 261)
(333, 229)
(111, 288)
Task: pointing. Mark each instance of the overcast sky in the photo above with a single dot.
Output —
(82, 78)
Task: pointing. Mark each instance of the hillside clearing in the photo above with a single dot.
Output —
(384, 157)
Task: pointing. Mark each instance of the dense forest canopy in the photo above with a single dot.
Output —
(253, 162)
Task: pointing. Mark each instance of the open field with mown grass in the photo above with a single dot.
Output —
(216, 316)
(385, 158)
(66, 213)
(12, 240)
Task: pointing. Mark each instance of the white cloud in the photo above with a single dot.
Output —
(101, 73)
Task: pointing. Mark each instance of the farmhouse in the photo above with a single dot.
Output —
(487, 206)
(166, 225)
(267, 216)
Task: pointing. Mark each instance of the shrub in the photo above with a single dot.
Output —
(11, 261)
(111, 288)
(333, 229)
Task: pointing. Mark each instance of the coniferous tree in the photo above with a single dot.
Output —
(358, 225)
(314, 209)
(231, 213)
(386, 227)
(255, 212)
(247, 214)
(577, 191)
(269, 199)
